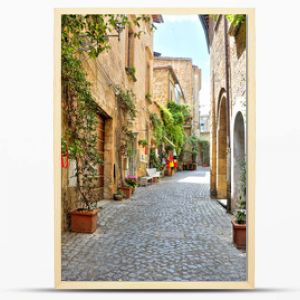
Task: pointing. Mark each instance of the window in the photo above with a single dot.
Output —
(129, 53)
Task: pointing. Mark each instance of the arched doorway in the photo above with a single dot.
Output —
(221, 182)
(238, 154)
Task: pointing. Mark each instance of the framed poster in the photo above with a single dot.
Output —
(178, 86)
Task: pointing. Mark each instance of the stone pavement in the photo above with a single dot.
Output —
(169, 231)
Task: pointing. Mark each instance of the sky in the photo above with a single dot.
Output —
(183, 36)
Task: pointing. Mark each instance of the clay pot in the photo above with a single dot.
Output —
(155, 179)
(118, 197)
(84, 221)
(239, 235)
(127, 191)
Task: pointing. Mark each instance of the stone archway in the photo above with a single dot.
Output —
(221, 178)
(238, 154)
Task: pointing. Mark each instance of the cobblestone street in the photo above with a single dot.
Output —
(169, 231)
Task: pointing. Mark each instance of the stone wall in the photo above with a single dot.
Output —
(107, 71)
(237, 101)
(183, 69)
(196, 100)
(161, 85)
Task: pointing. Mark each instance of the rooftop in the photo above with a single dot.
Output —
(172, 58)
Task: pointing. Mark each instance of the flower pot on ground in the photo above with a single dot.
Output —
(118, 196)
(239, 227)
(239, 234)
(131, 181)
(84, 221)
(155, 179)
(127, 191)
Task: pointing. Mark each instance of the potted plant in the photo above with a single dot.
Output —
(126, 190)
(131, 181)
(84, 218)
(143, 143)
(118, 195)
(240, 217)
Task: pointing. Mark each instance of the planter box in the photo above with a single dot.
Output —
(84, 221)
(239, 235)
(127, 191)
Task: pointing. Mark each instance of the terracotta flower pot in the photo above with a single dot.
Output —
(84, 221)
(239, 234)
(118, 197)
(155, 179)
(127, 191)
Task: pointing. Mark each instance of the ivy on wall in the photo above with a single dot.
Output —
(170, 124)
(81, 36)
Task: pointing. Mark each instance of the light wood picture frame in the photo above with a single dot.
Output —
(250, 141)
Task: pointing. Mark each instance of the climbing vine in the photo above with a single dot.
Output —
(170, 124)
(236, 19)
(126, 99)
(157, 128)
(86, 36)
(241, 212)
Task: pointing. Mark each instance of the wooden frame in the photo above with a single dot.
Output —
(249, 284)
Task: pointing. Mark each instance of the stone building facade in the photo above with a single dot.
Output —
(196, 101)
(105, 74)
(228, 58)
(166, 86)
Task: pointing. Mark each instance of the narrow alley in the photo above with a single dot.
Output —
(169, 231)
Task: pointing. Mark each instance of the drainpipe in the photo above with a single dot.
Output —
(228, 115)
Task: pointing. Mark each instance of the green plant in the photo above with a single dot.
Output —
(241, 212)
(168, 148)
(236, 19)
(85, 36)
(119, 192)
(131, 182)
(143, 143)
(158, 128)
(131, 72)
(154, 161)
(148, 97)
(129, 142)
(126, 100)
(204, 151)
